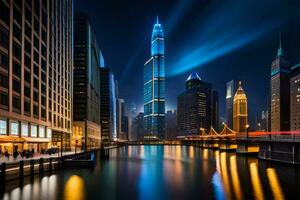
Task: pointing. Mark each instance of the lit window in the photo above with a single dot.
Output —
(14, 128)
(3, 127)
(49, 133)
(42, 131)
(33, 131)
(24, 128)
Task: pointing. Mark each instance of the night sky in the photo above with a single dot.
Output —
(220, 39)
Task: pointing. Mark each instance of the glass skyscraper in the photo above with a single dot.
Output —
(154, 87)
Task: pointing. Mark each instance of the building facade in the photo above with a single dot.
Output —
(295, 98)
(240, 110)
(197, 107)
(137, 127)
(36, 65)
(280, 93)
(86, 105)
(108, 104)
(154, 87)
(231, 88)
(171, 124)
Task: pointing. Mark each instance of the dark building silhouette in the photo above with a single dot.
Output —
(138, 127)
(108, 103)
(197, 106)
(171, 124)
(86, 81)
(280, 93)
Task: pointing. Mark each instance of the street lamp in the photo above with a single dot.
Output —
(247, 129)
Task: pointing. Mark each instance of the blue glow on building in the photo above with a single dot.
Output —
(154, 87)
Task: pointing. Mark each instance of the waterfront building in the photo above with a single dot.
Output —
(108, 104)
(240, 110)
(231, 87)
(131, 115)
(122, 121)
(138, 127)
(86, 104)
(171, 124)
(154, 87)
(280, 93)
(295, 98)
(197, 106)
(36, 66)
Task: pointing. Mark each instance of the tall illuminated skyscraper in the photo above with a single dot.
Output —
(154, 87)
(240, 110)
(280, 93)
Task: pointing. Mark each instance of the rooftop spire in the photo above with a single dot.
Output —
(157, 22)
(279, 51)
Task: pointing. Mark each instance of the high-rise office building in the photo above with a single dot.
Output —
(154, 87)
(240, 110)
(171, 124)
(295, 98)
(231, 88)
(36, 65)
(108, 104)
(138, 127)
(280, 93)
(122, 121)
(197, 106)
(86, 105)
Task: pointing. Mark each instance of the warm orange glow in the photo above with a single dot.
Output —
(235, 178)
(191, 152)
(74, 188)
(217, 155)
(205, 154)
(224, 174)
(257, 187)
(275, 184)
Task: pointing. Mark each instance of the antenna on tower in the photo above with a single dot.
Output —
(157, 22)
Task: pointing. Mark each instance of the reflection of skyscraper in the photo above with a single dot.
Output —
(231, 87)
(280, 93)
(240, 110)
(154, 87)
(197, 106)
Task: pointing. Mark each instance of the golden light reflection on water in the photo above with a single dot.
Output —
(255, 180)
(235, 178)
(217, 156)
(191, 152)
(224, 174)
(74, 188)
(275, 184)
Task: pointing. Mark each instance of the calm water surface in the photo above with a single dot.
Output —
(167, 172)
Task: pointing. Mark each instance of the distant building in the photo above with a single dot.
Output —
(108, 103)
(264, 120)
(122, 121)
(280, 93)
(86, 118)
(197, 106)
(138, 127)
(240, 110)
(231, 88)
(131, 115)
(171, 124)
(295, 98)
(154, 87)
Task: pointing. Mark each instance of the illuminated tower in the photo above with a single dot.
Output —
(154, 87)
(280, 93)
(240, 111)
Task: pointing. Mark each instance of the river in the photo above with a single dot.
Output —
(167, 172)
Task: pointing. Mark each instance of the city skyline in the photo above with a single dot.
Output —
(251, 63)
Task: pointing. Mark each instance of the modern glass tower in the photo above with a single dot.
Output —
(154, 87)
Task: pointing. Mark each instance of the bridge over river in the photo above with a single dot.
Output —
(276, 146)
